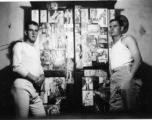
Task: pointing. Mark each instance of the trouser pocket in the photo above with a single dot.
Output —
(128, 69)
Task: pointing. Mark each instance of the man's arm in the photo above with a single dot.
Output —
(40, 80)
(37, 80)
(31, 78)
(132, 45)
(17, 63)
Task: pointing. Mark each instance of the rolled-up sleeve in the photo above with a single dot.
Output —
(17, 60)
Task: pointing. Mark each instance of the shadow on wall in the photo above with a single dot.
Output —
(7, 77)
(118, 12)
(27, 14)
(145, 73)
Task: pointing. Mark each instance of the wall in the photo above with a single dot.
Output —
(12, 17)
(11, 24)
(137, 11)
(15, 14)
(139, 15)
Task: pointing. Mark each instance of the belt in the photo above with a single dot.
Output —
(119, 68)
(113, 71)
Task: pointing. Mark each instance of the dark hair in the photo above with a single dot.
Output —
(30, 23)
(119, 21)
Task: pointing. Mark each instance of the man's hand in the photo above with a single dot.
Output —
(37, 83)
(100, 94)
(40, 80)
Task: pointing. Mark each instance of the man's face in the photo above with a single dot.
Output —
(32, 33)
(114, 29)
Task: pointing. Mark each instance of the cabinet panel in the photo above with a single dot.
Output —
(74, 45)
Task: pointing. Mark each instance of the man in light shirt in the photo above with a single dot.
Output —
(27, 64)
(125, 59)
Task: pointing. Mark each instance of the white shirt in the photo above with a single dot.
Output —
(120, 55)
(26, 60)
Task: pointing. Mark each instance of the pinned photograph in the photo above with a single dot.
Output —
(55, 16)
(89, 49)
(92, 40)
(104, 31)
(94, 15)
(35, 15)
(102, 55)
(91, 45)
(69, 45)
(87, 83)
(78, 56)
(111, 14)
(93, 28)
(77, 28)
(102, 39)
(91, 96)
(44, 41)
(77, 14)
(87, 58)
(102, 15)
(84, 28)
(53, 109)
(69, 71)
(98, 73)
(56, 89)
(102, 45)
(68, 28)
(43, 28)
(61, 17)
(87, 98)
(43, 16)
(53, 59)
(68, 16)
(60, 42)
(84, 15)
(78, 38)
